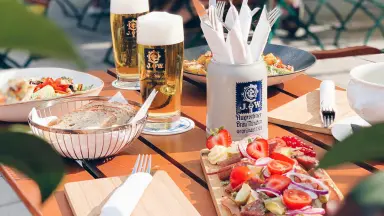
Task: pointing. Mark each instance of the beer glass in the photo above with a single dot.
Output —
(124, 14)
(160, 46)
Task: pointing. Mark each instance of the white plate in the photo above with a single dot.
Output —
(342, 129)
(18, 112)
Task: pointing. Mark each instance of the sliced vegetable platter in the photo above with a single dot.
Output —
(282, 178)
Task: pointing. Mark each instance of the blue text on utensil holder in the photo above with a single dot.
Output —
(249, 103)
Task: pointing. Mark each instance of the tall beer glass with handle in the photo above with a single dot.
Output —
(160, 39)
(124, 14)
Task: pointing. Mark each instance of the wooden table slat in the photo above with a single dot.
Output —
(179, 154)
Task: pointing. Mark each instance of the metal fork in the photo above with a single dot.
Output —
(143, 164)
(328, 116)
(220, 6)
(273, 15)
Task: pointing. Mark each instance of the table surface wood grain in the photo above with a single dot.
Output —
(178, 155)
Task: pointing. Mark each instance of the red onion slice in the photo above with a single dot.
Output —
(263, 161)
(305, 208)
(243, 150)
(309, 211)
(269, 190)
(266, 173)
(312, 194)
(324, 191)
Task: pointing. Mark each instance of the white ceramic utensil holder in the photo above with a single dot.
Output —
(237, 98)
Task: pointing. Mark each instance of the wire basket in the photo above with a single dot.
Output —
(89, 143)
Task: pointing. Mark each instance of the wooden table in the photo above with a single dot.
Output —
(179, 154)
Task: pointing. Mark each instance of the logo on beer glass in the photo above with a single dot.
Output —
(155, 62)
(154, 59)
(130, 27)
(248, 97)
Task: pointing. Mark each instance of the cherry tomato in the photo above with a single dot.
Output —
(296, 199)
(58, 81)
(281, 157)
(308, 152)
(279, 167)
(48, 81)
(239, 175)
(277, 182)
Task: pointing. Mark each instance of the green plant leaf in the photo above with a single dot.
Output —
(21, 29)
(365, 145)
(369, 193)
(33, 157)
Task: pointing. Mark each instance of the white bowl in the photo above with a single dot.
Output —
(18, 112)
(366, 92)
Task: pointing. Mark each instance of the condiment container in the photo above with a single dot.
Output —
(237, 98)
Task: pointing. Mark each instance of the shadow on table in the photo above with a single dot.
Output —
(313, 107)
(65, 209)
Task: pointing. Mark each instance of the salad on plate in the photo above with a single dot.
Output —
(22, 90)
(274, 64)
(267, 177)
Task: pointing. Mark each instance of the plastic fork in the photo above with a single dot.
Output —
(143, 164)
(328, 116)
(273, 15)
(220, 6)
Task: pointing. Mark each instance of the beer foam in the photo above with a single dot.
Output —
(129, 6)
(160, 28)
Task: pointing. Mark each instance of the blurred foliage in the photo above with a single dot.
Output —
(21, 29)
(24, 30)
(33, 157)
(365, 145)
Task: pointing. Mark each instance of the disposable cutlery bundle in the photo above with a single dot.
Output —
(235, 49)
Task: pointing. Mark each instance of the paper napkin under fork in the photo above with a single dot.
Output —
(125, 198)
(220, 51)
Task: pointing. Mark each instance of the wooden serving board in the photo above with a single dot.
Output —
(217, 190)
(304, 112)
(161, 198)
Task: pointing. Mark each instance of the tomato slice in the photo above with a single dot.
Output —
(259, 148)
(279, 167)
(281, 157)
(239, 175)
(276, 143)
(296, 199)
(278, 182)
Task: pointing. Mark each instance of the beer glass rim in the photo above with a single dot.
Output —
(237, 65)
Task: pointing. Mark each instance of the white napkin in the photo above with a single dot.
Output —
(245, 17)
(235, 37)
(235, 49)
(217, 45)
(118, 97)
(125, 198)
(41, 121)
(230, 19)
(238, 48)
(260, 36)
(327, 94)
